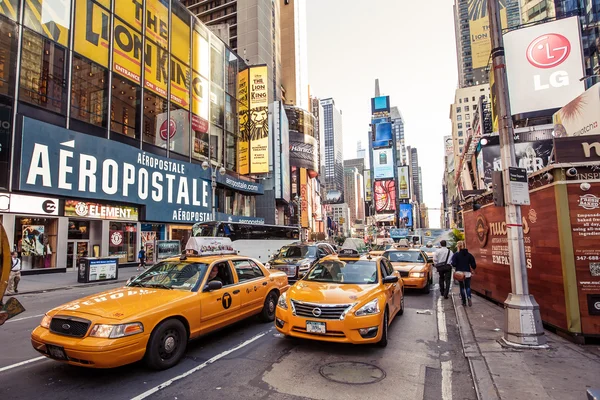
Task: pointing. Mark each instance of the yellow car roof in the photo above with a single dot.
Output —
(205, 259)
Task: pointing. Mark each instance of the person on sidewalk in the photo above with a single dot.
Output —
(15, 274)
(441, 261)
(464, 262)
(142, 259)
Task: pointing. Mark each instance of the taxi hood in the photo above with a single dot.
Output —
(408, 267)
(122, 303)
(329, 293)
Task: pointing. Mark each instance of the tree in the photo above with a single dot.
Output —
(455, 237)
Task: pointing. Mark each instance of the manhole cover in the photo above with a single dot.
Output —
(351, 372)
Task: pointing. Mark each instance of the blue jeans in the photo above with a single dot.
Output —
(465, 289)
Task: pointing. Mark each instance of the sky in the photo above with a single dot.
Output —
(410, 47)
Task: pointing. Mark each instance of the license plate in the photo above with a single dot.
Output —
(315, 327)
(56, 352)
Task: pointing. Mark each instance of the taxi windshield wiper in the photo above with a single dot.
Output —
(159, 285)
(140, 284)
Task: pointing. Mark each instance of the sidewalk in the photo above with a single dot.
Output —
(562, 372)
(50, 282)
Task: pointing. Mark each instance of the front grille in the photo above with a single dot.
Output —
(290, 270)
(404, 274)
(69, 326)
(326, 311)
(328, 333)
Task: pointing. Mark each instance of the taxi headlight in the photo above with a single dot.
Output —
(116, 331)
(416, 275)
(282, 302)
(46, 321)
(370, 308)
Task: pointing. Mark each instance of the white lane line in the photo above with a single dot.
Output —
(23, 318)
(21, 363)
(447, 380)
(441, 320)
(199, 367)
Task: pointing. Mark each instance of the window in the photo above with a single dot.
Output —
(466, 99)
(47, 17)
(460, 125)
(458, 109)
(8, 56)
(473, 98)
(459, 117)
(466, 108)
(217, 64)
(232, 70)
(468, 124)
(461, 141)
(247, 270)
(230, 114)
(388, 266)
(224, 273)
(230, 151)
(217, 114)
(216, 140)
(125, 102)
(125, 249)
(180, 141)
(460, 150)
(89, 100)
(468, 116)
(43, 73)
(155, 109)
(460, 100)
(460, 133)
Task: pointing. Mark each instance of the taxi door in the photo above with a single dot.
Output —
(394, 297)
(220, 307)
(253, 285)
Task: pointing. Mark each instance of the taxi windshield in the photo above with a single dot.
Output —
(405, 256)
(179, 275)
(297, 252)
(360, 272)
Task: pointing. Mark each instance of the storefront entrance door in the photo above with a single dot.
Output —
(75, 250)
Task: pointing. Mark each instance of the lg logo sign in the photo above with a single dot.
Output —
(549, 51)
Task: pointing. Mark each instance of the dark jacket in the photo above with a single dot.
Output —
(463, 261)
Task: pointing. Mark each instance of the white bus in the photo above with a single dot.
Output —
(260, 242)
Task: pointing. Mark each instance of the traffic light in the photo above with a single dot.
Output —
(497, 189)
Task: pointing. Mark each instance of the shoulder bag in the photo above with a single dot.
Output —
(444, 266)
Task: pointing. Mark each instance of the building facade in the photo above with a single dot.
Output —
(294, 58)
(116, 149)
(398, 131)
(333, 149)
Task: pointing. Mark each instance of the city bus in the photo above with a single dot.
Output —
(260, 242)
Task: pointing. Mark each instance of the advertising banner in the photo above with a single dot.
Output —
(303, 151)
(405, 215)
(382, 135)
(180, 35)
(304, 197)
(243, 150)
(544, 64)
(580, 116)
(201, 60)
(130, 12)
(175, 133)
(156, 67)
(17, 203)
(199, 103)
(577, 149)
(281, 145)
(76, 208)
(127, 52)
(49, 18)
(333, 196)
(168, 248)
(100, 270)
(533, 156)
(100, 169)
(403, 183)
(32, 243)
(157, 21)
(368, 185)
(383, 163)
(385, 196)
(180, 84)
(258, 132)
(479, 27)
(380, 104)
(92, 31)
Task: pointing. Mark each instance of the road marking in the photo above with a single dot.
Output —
(447, 380)
(199, 367)
(21, 363)
(441, 320)
(21, 319)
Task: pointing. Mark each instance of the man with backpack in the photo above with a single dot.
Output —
(142, 259)
(441, 261)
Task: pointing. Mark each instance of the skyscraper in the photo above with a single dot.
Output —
(353, 195)
(398, 131)
(294, 61)
(333, 150)
(415, 175)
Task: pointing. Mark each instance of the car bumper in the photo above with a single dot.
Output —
(92, 352)
(338, 331)
(415, 283)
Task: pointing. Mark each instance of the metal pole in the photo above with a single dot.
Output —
(213, 184)
(522, 319)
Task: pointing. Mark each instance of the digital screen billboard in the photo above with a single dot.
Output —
(383, 163)
(380, 104)
(385, 196)
(382, 135)
(405, 215)
(403, 183)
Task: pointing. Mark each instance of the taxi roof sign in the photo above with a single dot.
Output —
(208, 246)
(349, 253)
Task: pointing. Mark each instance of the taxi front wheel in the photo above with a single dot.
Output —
(268, 312)
(384, 331)
(167, 345)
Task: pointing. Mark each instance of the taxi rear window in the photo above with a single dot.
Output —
(359, 272)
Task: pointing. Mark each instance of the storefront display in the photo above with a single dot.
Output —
(122, 242)
(35, 241)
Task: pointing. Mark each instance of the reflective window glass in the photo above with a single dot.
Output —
(125, 102)
(155, 110)
(8, 56)
(51, 18)
(89, 96)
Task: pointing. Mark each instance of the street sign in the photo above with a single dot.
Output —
(519, 186)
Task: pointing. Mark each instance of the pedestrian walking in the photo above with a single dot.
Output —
(142, 259)
(15, 274)
(441, 261)
(464, 263)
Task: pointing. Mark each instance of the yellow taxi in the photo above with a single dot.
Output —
(156, 313)
(344, 298)
(414, 267)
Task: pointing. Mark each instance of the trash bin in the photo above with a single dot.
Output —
(92, 269)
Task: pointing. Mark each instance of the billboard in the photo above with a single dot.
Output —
(544, 64)
(403, 183)
(405, 216)
(281, 160)
(385, 196)
(368, 185)
(533, 156)
(243, 149)
(303, 151)
(383, 163)
(581, 116)
(382, 134)
(479, 27)
(380, 104)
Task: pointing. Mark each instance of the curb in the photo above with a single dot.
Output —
(55, 289)
(480, 373)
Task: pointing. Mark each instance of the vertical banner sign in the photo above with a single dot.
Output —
(243, 148)
(127, 52)
(304, 196)
(157, 21)
(157, 61)
(479, 27)
(130, 11)
(403, 183)
(180, 61)
(259, 121)
(199, 103)
(92, 31)
(368, 186)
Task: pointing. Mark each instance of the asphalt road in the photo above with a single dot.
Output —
(250, 360)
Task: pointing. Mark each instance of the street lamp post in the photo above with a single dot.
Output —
(522, 319)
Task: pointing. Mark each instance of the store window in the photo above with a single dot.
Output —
(236, 203)
(180, 140)
(36, 241)
(43, 73)
(8, 56)
(79, 230)
(89, 100)
(122, 242)
(217, 112)
(155, 109)
(125, 103)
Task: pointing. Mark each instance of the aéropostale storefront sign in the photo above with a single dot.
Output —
(58, 161)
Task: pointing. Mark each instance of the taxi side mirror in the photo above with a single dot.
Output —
(213, 285)
(390, 279)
